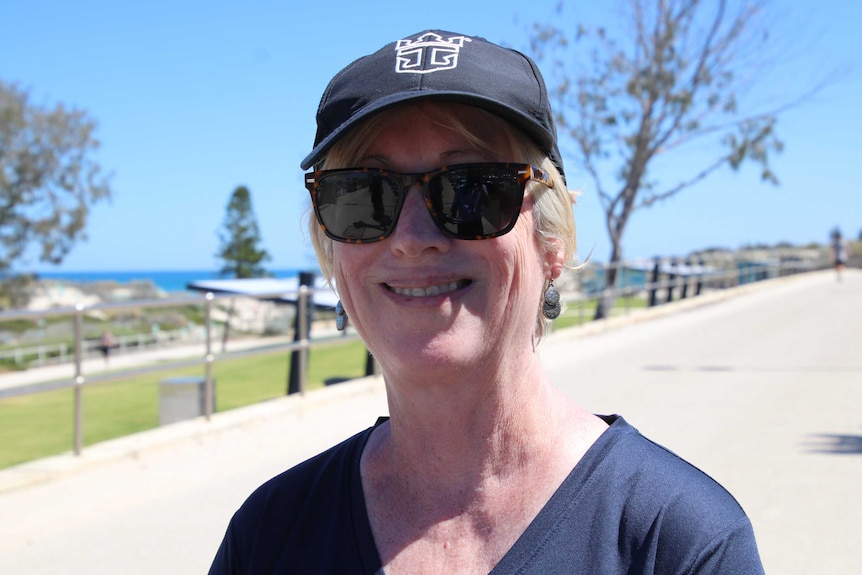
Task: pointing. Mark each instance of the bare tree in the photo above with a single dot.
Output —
(673, 81)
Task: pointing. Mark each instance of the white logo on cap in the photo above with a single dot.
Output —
(442, 54)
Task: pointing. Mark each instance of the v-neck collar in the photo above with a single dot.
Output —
(540, 529)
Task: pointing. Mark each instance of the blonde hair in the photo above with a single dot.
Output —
(554, 221)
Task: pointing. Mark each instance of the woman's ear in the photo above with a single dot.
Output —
(555, 258)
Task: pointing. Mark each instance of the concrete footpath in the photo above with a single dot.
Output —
(127, 361)
(761, 387)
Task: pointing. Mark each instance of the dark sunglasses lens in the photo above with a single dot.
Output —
(476, 202)
(357, 206)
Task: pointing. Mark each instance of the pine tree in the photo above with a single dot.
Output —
(240, 239)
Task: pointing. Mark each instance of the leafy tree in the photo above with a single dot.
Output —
(240, 239)
(48, 179)
(16, 290)
(671, 82)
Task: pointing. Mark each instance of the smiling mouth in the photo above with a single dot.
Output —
(429, 291)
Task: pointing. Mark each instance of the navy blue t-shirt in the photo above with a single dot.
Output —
(628, 507)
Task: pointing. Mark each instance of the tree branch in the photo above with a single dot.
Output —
(653, 198)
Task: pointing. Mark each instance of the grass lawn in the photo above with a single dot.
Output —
(582, 312)
(39, 425)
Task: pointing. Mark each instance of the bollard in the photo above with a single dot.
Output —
(182, 398)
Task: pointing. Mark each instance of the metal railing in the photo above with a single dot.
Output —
(62, 352)
(660, 281)
(302, 343)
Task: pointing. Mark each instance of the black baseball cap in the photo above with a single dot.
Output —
(439, 65)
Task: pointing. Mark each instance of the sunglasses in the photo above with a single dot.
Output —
(466, 201)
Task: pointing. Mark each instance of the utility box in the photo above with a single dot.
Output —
(182, 398)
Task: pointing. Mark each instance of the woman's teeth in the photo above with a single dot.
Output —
(429, 291)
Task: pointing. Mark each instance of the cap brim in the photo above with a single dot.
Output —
(524, 122)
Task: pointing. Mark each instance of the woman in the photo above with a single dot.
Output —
(442, 215)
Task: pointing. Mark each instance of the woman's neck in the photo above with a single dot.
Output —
(457, 475)
(457, 435)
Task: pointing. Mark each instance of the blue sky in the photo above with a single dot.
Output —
(196, 97)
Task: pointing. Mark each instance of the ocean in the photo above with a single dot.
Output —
(176, 280)
(167, 280)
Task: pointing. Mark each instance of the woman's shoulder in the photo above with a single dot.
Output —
(324, 475)
(664, 505)
(632, 506)
(647, 468)
(298, 517)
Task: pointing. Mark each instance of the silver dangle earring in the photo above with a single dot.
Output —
(340, 317)
(551, 307)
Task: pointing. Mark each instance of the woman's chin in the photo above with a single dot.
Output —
(423, 354)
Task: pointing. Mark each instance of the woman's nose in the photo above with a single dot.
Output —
(415, 230)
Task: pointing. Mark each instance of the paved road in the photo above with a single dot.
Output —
(763, 390)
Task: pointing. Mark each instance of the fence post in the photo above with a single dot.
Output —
(671, 281)
(625, 288)
(304, 329)
(79, 381)
(653, 292)
(208, 357)
(686, 280)
(300, 333)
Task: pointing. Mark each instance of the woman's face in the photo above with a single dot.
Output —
(422, 300)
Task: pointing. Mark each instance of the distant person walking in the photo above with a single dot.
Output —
(107, 344)
(840, 252)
